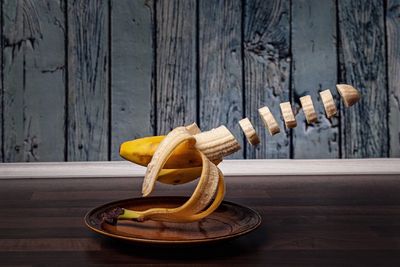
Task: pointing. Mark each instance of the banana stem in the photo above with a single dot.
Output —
(131, 215)
(112, 216)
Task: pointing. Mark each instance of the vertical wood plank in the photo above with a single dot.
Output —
(34, 84)
(175, 64)
(393, 46)
(314, 69)
(220, 66)
(267, 70)
(88, 68)
(1, 82)
(131, 71)
(363, 65)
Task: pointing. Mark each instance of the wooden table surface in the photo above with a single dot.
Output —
(307, 220)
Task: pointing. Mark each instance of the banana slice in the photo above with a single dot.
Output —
(249, 131)
(216, 143)
(329, 103)
(288, 116)
(269, 120)
(308, 109)
(349, 94)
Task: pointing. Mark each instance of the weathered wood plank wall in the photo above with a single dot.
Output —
(80, 77)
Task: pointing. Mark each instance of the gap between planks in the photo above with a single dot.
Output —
(271, 167)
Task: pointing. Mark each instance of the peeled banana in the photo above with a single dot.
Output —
(211, 183)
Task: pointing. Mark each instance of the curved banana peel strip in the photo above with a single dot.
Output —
(211, 179)
(160, 157)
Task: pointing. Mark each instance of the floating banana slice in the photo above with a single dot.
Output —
(349, 94)
(288, 116)
(249, 131)
(329, 103)
(269, 120)
(308, 109)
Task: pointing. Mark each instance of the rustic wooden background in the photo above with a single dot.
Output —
(78, 77)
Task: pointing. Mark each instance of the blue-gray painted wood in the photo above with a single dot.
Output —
(267, 71)
(88, 71)
(175, 79)
(393, 46)
(363, 64)
(137, 70)
(34, 83)
(220, 66)
(131, 71)
(314, 69)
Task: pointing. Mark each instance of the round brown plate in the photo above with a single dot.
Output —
(228, 221)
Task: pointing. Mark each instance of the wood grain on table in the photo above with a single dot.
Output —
(313, 220)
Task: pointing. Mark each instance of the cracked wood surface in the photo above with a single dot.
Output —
(314, 55)
(267, 71)
(175, 64)
(220, 67)
(131, 71)
(363, 65)
(393, 46)
(88, 80)
(34, 80)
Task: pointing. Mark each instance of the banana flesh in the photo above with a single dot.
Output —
(249, 131)
(349, 94)
(269, 120)
(216, 143)
(288, 116)
(308, 109)
(329, 103)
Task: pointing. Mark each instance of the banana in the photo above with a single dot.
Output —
(287, 114)
(308, 109)
(249, 131)
(179, 176)
(349, 94)
(329, 103)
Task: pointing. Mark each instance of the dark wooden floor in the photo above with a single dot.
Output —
(307, 221)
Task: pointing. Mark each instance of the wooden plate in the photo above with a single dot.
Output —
(230, 220)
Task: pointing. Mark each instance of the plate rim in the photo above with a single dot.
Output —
(160, 241)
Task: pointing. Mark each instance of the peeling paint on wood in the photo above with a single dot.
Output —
(34, 83)
(131, 71)
(88, 66)
(220, 67)
(267, 71)
(363, 65)
(314, 70)
(393, 46)
(176, 64)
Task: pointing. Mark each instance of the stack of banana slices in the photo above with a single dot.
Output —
(186, 153)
